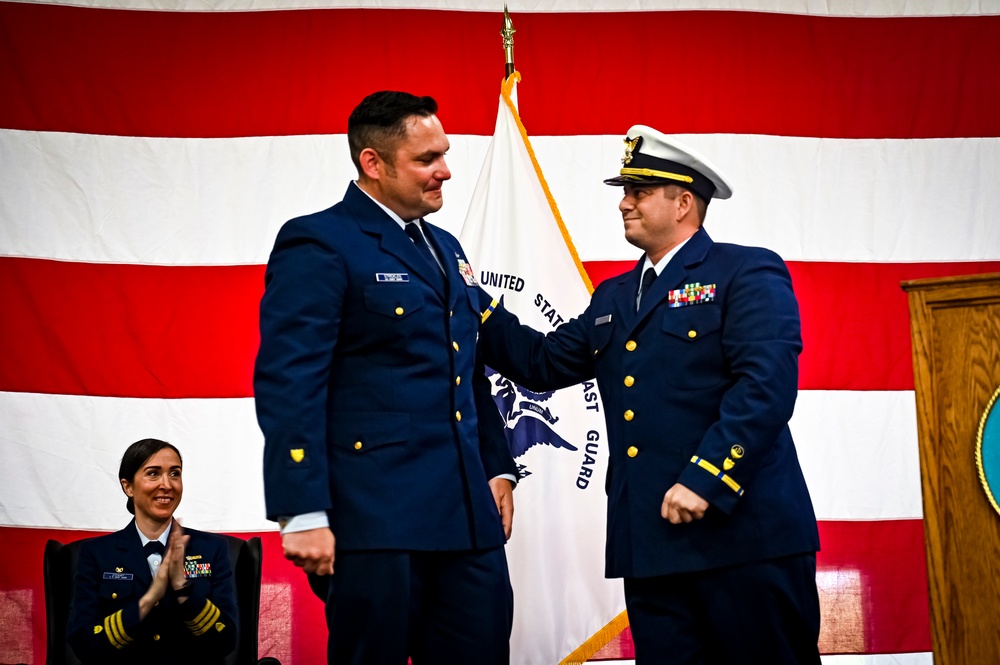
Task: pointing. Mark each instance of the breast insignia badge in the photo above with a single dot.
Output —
(465, 270)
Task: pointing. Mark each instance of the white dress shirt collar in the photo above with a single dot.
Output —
(396, 218)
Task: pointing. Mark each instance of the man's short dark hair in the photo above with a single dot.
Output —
(700, 204)
(379, 122)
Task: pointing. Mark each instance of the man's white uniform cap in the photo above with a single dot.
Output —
(652, 157)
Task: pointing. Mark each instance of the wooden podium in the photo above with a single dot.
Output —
(955, 326)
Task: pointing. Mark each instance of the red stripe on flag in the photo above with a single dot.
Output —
(872, 575)
(887, 559)
(128, 330)
(872, 578)
(183, 331)
(289, 608)
(855, 319)
(205, 74)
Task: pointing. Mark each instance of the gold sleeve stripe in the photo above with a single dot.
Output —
(489, 310)
(115, 630)
(109, 634)
(205, 619)
(657, 174)
(119, 626)
(714, 470)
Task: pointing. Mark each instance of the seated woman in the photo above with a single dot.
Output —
(153, 592)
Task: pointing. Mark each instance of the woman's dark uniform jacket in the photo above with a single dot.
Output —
(698, 387)
(112, 575)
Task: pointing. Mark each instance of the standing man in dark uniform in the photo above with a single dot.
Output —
(367, 386)
(695, 352)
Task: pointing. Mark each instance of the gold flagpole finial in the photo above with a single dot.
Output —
(508, 40)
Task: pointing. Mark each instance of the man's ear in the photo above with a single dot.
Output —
(685, 204)
(371, 164)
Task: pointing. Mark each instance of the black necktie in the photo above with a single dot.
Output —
(647, 281)
(153, 547)
(420, 242)
(416, 235)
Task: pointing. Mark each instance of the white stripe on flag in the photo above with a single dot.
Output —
(859, 453)
(61, 457)
(807, 199)
(111, 199)
(859, 8)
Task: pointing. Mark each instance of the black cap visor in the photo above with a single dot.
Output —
(647, 170)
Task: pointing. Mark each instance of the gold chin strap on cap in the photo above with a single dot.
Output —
(657, 174)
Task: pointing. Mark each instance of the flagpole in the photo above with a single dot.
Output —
(508, 41)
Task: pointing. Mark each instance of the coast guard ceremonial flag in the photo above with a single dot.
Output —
(520, 251)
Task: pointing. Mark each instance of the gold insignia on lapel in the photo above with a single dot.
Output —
(119, 569)
(630, 145)
(298, 454)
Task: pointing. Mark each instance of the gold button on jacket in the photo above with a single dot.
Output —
(632, 451)
(629, 415)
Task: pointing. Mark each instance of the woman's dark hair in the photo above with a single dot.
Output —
(136, 456)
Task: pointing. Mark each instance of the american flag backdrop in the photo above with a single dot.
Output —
(150, 150)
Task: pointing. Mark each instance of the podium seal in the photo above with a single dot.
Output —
(988, 450)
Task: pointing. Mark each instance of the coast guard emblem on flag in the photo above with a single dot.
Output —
(528, 422)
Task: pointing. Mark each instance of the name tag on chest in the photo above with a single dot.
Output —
(117, 576)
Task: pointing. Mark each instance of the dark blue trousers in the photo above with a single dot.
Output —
(438, 608)
(762, 612)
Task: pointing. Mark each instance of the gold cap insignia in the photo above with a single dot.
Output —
(736, 451)
(119, 569)
(298, 454)
(630, 145)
